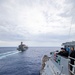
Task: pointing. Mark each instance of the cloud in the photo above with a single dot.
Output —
(69, 10)
(36, 21)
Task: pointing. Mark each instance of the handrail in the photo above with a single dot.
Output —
(73, 65)
(71, 58)
(71, 72)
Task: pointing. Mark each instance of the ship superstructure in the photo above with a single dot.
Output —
(22, 47)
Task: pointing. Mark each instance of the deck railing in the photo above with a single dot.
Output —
(72, 72)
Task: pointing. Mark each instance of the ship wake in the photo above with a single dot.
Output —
(4, 55)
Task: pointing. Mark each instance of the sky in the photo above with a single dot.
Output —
(37, 22)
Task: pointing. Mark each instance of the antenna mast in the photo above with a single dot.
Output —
(70, 29)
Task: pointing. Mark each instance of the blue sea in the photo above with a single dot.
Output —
(13, 62)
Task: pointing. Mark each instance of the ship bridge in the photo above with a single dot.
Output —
(70, 44)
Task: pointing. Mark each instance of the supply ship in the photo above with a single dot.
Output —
(58, 65)
(22, 47)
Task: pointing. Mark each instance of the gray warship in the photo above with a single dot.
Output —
(57, 64)
(22, 47)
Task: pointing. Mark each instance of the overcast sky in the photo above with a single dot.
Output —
(37, 22)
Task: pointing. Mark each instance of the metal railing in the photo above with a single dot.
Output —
(72, 72)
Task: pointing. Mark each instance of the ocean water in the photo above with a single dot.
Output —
(13, 62)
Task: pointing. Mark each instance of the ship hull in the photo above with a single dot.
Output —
(55, 67)
(22, 48)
